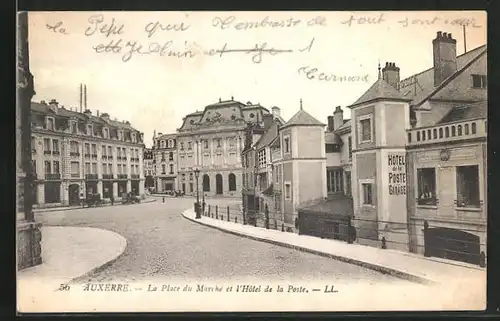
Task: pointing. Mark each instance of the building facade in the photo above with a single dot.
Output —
(148, 169)
(165, 163)
(406, 172)
(212, 141)
(76, 154)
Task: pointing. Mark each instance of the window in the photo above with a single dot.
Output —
(190, 187)
(163, 169)
(87, 168)
(104, 150)
(365, 130)
(106, 133)
(171, 156)
(171, 168)
(190, 145)
(219, 142)
(367, 193)
(349, 146)
(332, 148)
(74, 147)
(190, 176)
(33, 144)
(182, 146)
(334, 181)
(162, 156)
(232, 182)
(288, 190)
(47, 167)
(75, 169)
(50, 123)
(94, 149)
(110, 151)
(105, 169)
(110, 169)
(74, 127)
(33, 165)
(286, 143)
(205, 144)
(262, 158)
(94, 168)
(348, 191)
(426, 180)
(468, 186)
(56, 167)
(89, 129)
(232, 142)
(55, 145)
(479, 81)
(473, 128)
(46, 144)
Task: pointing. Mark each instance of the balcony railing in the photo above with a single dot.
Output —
(135, 176)
(91, 176)
(110, 157)
(448, 132)
(56, 152)
(122, 176)
(75, 175)
(107, 176)
(87, 155)
(52, 177)
(74, 154)
(47, 152)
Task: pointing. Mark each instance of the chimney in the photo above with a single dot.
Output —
(81, 97)
(445, 57)
(159, 134)
(53, 105)
(390, 73)
(276, 111)
(97, 113)
(105, 116)
(268, 120)
(330, 127)
(338, 117)
(87, 112)
(85, 96)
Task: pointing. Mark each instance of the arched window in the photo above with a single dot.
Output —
(435, 133)
(453, 131)
(440, 132)
(459, 130)
(473, 128)
(447, 132)
(206, 183)
(232, 182)
(466, 129)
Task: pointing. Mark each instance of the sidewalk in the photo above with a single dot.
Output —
(71, 252)
(404, 265)
(68, 208)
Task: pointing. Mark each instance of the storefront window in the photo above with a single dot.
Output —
(426, 178)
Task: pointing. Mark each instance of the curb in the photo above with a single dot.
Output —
(103, 266)
(58, 209)
(367, 265)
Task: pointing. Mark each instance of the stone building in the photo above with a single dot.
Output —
(165, 163)
(77, 154)
(212, 141)
(148, 168)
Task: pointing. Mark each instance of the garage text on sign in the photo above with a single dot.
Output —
(397, 174)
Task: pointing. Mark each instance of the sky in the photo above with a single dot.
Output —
(135, 65)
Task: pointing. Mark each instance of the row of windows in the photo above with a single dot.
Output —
(467, 186)
(217, 142)
(53, 167)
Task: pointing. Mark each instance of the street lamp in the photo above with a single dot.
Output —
(197, 207)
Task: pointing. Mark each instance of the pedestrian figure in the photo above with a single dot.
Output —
(163, 199)
(112, 200)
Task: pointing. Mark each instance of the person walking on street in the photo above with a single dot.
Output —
(112, 200)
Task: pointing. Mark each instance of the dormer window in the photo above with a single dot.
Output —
(162, 144)
(133, 138)
(74, 127)
(50, 123)
(106, 133)
(89, 129)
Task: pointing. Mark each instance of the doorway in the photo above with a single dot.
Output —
(218, 184)
(74, 194)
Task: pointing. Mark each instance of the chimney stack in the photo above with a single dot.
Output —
(97, 113)
(276, 111)
(338, 117)
(81, 97)
(330, 127)
(445, 57)
(85, 96)
(53, 105)
(390, 73)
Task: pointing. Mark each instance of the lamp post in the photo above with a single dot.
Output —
(197, 206)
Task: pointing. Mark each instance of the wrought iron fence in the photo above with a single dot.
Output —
(429, 239)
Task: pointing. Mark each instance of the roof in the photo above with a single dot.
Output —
(419, 87)
(345, 127)
(302, 118)
(464, 112)
(270, 134)
(380, 90)
(163, 136)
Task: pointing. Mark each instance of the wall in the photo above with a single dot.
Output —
(308, 139)
(396, 123)
(288, 177)
(311, 177)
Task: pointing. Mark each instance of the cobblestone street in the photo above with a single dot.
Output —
(163, 245)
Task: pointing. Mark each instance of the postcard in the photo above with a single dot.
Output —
(251, 161)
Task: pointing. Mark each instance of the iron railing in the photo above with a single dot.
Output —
(459, 244)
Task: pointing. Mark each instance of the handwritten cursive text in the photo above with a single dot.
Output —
(97, 25)
(314, 73)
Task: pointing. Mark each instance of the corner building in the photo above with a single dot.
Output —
(76, 154)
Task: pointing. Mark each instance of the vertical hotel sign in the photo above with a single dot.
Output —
(397, 174)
